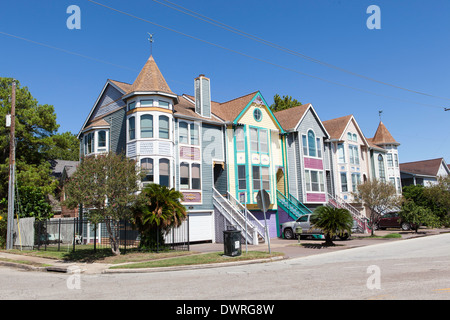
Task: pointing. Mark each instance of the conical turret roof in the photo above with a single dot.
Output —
(383, 136)
(150, 79)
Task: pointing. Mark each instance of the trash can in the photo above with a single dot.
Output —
(232, 243)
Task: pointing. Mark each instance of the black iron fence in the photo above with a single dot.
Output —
(68, 234)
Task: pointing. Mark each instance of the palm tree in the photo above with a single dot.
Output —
(332, 221)
(157, 211)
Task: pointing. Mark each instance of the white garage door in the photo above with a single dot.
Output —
(201, 226)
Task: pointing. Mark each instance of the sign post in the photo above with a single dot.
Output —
(263, 200)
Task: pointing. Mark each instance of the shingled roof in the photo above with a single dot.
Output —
(336, 127)
(424, 167)
(150, 79)
(228, 111)
(289, 118)
(383, 136)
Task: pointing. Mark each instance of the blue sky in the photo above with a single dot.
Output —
(409, 51)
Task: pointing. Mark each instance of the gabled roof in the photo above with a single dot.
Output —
(230, 110)
(58, 167)
(337, 127)
(383, 136)
(120, 86)
(290, 118)
(150, 79)
(424, 167)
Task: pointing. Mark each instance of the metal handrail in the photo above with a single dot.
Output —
(290, 204)
(233, 213)
(256, 223)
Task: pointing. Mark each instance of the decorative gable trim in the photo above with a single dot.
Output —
(258, 97)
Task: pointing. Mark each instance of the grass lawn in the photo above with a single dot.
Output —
(387, 236)
(136, 259)
(193, 259)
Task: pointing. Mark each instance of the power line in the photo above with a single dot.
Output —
(259, 59)
(64, 50)
(279, 47)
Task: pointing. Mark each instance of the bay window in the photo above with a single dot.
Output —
(131, 128)
(163, 127)
(146, 126)
(101, 141)
(164, 172)
(147, 169)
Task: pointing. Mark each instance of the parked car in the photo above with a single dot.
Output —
(392, 220)
(288, 229)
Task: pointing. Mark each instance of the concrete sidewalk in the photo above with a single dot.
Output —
(290, 248)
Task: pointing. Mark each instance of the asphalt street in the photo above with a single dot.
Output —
(409, 269)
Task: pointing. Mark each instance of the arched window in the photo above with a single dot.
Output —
(184, 175)
(164, 172)
(196, 181)
(146, 126)
(131, 129)
(147, 169)
(381, 168)
(312, 143)
(163, 127)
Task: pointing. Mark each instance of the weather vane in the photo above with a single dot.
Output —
(151, 42)
(379, 113)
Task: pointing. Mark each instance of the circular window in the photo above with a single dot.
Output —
(257, 114)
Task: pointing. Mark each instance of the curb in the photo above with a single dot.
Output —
(192, 267)
(21, 266)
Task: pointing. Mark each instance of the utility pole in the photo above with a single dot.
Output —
(12, 163)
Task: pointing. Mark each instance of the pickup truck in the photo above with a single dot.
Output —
(288, 229)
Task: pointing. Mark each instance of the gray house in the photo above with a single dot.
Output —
(175, 139)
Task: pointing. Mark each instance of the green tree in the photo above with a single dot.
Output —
(31, 201)
(439, 194)
(417, 215)
(283, 103)
(106, 185)
(34, 127)
(379, 197)
(332, 221)
(157, 211)
(63, 146)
